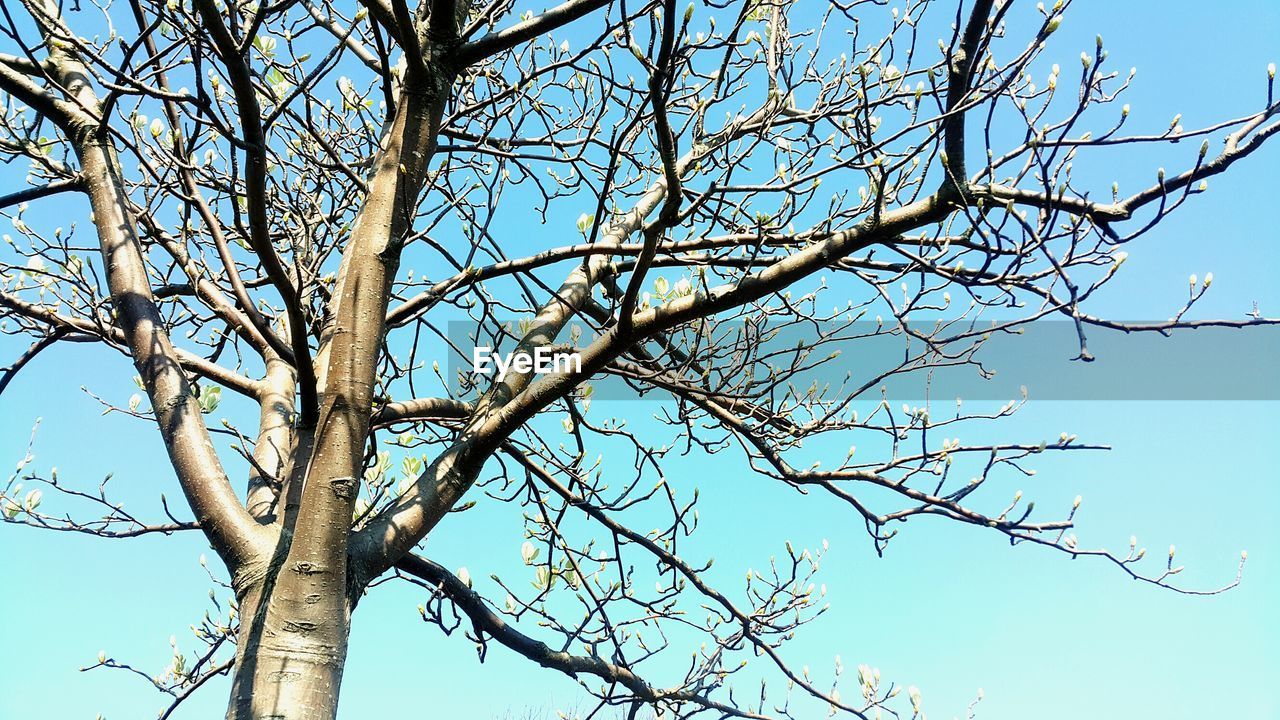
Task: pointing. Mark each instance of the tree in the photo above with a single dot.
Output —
(258, 173)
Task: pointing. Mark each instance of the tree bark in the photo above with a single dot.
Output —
(296, 620)
(287, 667)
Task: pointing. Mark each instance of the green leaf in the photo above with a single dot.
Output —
(411, 467)
(210, 398)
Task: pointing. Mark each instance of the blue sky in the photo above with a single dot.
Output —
(949, 609)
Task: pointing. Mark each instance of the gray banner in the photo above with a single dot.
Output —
(922, 361)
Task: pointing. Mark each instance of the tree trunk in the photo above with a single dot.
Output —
(291, 648)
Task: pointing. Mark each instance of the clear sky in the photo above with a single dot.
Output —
(949, 608)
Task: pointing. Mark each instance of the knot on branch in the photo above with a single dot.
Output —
(344, 487)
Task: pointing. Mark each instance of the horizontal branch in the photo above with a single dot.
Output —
(189, 361)
(495, 42)
(419, 409)
(36, 192)
(489, 622)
